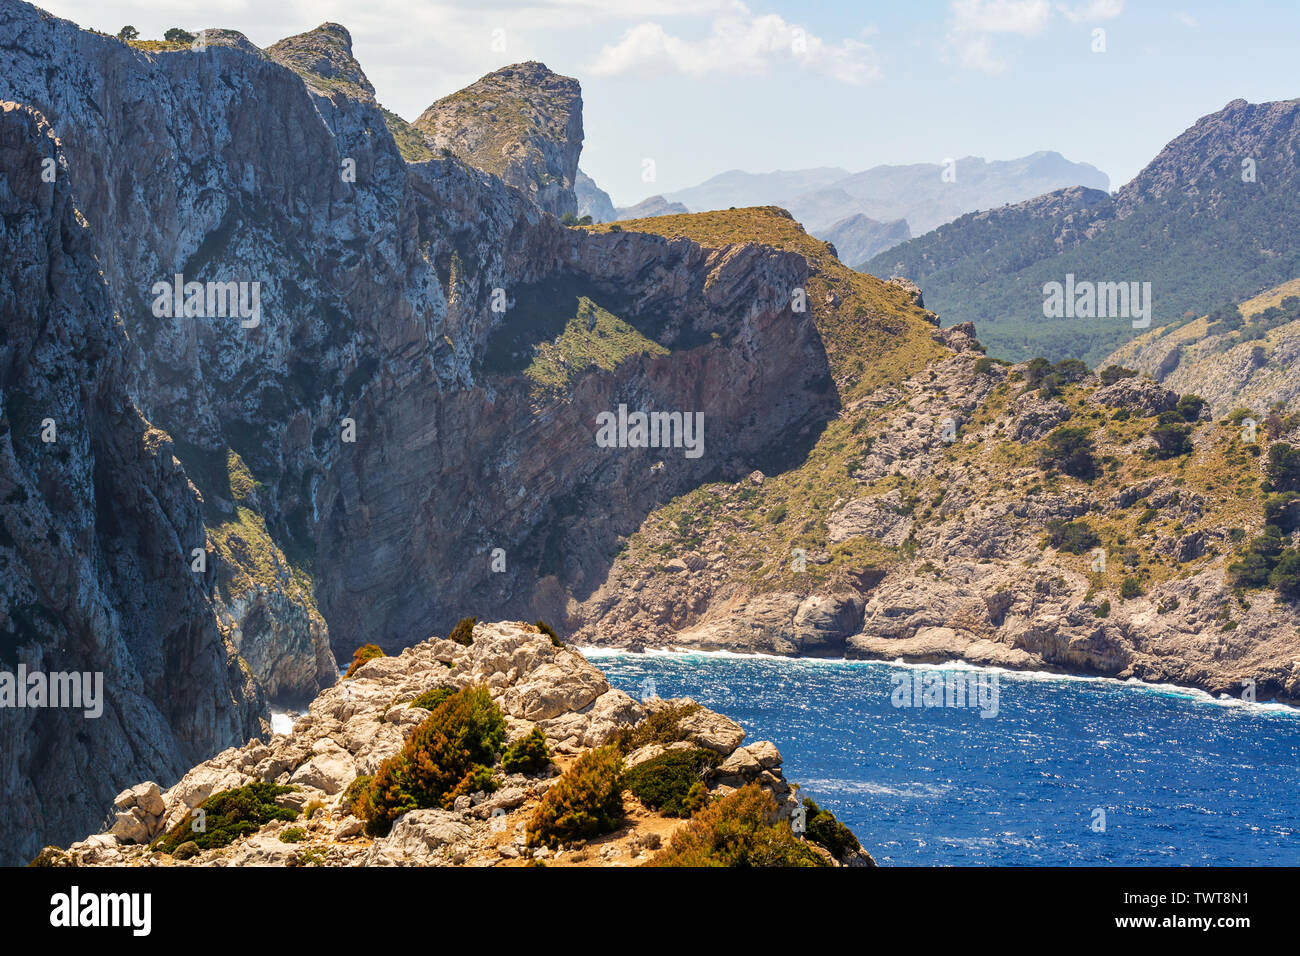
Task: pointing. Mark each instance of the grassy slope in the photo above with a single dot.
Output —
(874, 337)
(1207, 352)
(758, 525)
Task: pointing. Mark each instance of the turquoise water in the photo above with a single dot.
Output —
(1069, 771)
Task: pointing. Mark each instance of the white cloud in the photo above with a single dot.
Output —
(973, 22)
(1025, 17)
(738, 42)
(1186, 19)
(972, 25)
(1093, 10)
(976, 53)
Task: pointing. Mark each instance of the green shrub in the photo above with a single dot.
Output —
(177, 35)
(366, 652)
(1052, 379)
(227, 816)
(432, 698)
(671, 783)
(463, 632)
(1283, 511)
(661, 727)
(1130, 588)
(529, 755)
(1069, 450)
(1103, 609)
(1262, 555)
(1172, 440)
(451, 753)
(821, 827)
(293, 835)
(352, 795)
(585, 802)
(1189, 407)
(1072, 537)
(739, 830)
(1285, 575)
(550, 632)
(1283, 468)
(1113, 373)
(186, 850)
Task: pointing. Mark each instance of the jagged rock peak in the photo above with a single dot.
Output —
(323, 57)
(522, 123)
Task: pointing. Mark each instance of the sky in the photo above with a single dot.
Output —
(698, 87)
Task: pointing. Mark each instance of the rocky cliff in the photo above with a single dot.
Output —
(592, 200)
(925, 523)
(522, 123)
(97, 532)
(388, 409)
(379, 411)
(352, 729)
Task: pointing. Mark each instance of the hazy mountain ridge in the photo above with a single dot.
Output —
(832, 203)
(857, 237)
(1208, 220)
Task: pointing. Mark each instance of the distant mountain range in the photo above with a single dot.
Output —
(1209, 220)
(868, 212)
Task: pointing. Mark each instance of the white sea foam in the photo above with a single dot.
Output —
(1192, 694)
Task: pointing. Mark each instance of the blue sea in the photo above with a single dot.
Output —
(1070, 771)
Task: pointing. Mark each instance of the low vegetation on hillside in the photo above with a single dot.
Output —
(451, 753)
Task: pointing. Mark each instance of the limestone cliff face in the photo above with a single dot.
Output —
(522, 123)
(96, 531)
(592, 200)
(363, 439)
(391, 436)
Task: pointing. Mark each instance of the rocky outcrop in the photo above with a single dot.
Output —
(522, 123)
(592, 200)
(352, 728)
(97, 533)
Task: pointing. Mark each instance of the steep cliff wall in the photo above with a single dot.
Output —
(416, 376)
(96, 532)
(377, 324)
